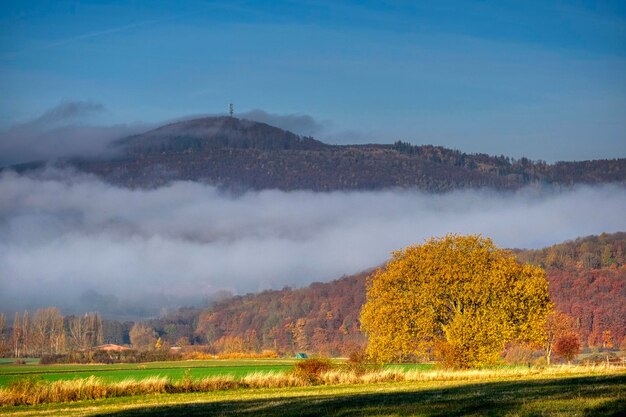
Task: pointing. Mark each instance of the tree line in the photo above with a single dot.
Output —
(324, 318)
(47, 332)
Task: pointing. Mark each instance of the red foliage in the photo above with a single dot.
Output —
(324, 317)
(595, 298)
(567, 346)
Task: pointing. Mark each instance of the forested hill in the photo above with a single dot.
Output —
(242, 154)
(587, 281)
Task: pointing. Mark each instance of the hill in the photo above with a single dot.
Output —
(587, 280)
(241, 154)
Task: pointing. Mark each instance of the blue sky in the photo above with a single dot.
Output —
(540, 79)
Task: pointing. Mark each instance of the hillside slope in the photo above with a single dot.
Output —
(242, 154)
(587, 280)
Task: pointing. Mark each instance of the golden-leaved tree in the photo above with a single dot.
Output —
(459, 297)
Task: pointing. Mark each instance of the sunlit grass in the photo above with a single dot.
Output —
(566, 395)
(30, 390)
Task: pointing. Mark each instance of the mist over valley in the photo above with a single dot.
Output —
(73, 240)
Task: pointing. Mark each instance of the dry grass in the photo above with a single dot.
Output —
(272, 380)
(398, 375)
(32, 391)
(500, 373)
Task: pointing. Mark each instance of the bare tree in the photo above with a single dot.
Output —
(94, 326)
(47, 327)
(142, 337)
(76, 332)
(16, 335)
(3, 336)
(85, 331)
(25, 333)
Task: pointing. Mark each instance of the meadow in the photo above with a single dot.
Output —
(174, 370)
(393, 390)
(118, 372)
(574, 396)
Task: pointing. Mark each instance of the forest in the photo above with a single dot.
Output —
(586, 276)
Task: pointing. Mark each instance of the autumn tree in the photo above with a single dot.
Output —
(182, 341)
(460, 296)
(567, 346)
(229, 344)
(299, 335)
(142, 337)
(558, 324)
(607, 339)
(622, 345)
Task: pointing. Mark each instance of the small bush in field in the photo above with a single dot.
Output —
(53, 359)
(358, 362)
(357, 356)
(266, 354)
(311, 369)
(567, 346)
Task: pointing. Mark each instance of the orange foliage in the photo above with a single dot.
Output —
(460, 295)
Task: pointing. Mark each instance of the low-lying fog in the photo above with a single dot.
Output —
(71, 240)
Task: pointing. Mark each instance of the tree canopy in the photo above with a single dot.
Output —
(459, 297)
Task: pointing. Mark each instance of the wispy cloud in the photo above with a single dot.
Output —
(80, 37)
(62, 113)
(61, 131)
(302, 124)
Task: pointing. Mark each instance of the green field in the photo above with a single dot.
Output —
(572, 396)
(118, 372)
(173, 370)
(11, 361)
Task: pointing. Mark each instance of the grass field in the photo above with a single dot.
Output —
(411, 390)
(173, 370)
(10, 361)
(567, 396)
(119, 372)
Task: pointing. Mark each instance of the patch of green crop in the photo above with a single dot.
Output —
(172, 369)
(119, 372)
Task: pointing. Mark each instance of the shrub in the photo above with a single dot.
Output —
(357, 356)
(358, 363)
(266, 354)
(567, 346)
(52, 359)
(310, 370)
(109, 357)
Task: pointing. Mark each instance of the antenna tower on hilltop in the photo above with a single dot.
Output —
(231, 109)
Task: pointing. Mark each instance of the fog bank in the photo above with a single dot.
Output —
(72, 240)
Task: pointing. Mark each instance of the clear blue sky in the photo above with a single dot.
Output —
(537, 78)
